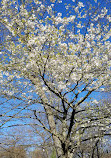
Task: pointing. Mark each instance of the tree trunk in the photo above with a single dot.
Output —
(56, 138)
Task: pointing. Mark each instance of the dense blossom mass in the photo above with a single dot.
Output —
(57, 61)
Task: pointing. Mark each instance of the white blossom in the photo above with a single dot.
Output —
(95, 101)
(80, 4)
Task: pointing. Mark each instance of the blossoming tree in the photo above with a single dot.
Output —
(54, 63)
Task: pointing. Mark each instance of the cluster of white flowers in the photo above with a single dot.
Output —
(109, 18)
(37, 2)
(63, 46)
(95, 101)
(80, 4)
(61, 85)
(65, 52)
(65, 20)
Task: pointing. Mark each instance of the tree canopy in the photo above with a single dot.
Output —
(54, 57)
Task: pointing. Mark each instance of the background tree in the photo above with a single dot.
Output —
(13, 152)
(38, 154)
(52, 64)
